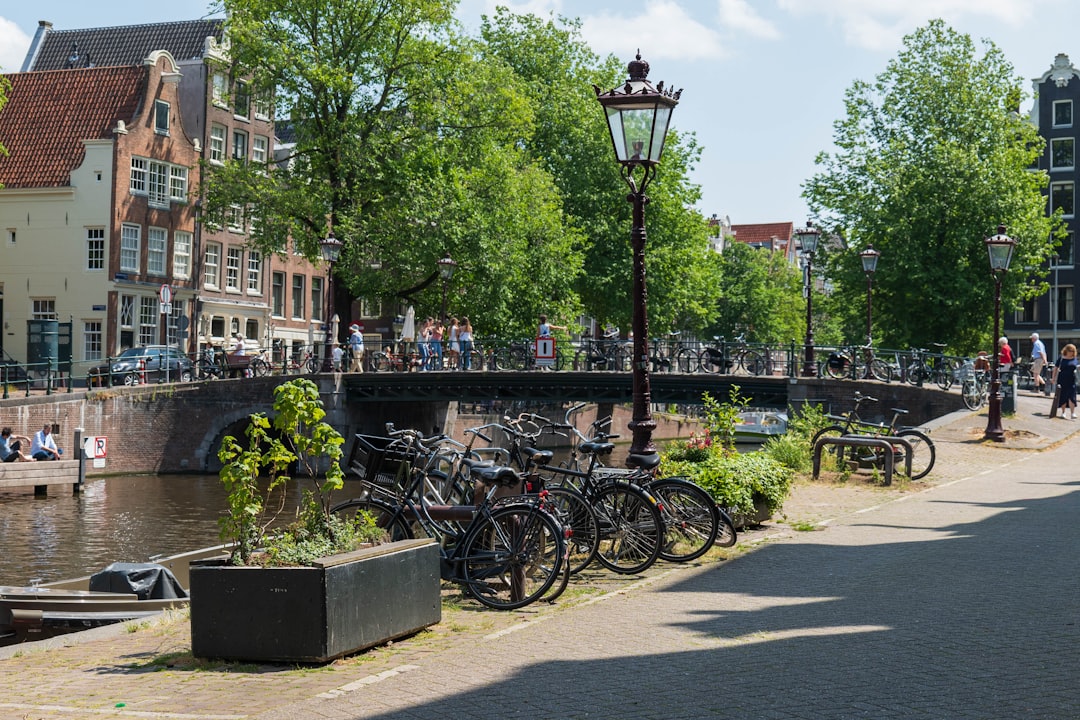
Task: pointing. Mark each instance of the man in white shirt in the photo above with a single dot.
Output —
(43, 446)
(356, 349)
(1038, 361)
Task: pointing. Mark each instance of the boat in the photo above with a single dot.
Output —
(118, 593)
(757, 426)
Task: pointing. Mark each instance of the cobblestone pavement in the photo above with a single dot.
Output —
(954, 598)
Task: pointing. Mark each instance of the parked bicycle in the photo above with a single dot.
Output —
(931, 366)
(724, 357)
(667, 354)
(923, 452)
(850, 362)
(974, 384)
(606, 353)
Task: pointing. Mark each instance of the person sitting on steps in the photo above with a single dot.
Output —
(11, 447)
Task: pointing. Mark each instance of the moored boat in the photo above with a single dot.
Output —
(757, 426)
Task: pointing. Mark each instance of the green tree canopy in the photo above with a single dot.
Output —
(929, 159)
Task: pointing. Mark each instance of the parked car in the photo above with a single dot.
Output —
(146, 362)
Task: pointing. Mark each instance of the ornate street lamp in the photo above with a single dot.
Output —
(808, 240)
(331, 251)
(446, 271)
(1000, 248)
(869, 258)
(638, 115)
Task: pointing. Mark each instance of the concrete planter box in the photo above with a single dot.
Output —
(345, 604)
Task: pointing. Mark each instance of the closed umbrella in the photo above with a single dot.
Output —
(408, 329)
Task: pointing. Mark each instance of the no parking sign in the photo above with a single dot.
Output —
(96, 447)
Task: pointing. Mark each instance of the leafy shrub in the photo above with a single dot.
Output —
(315, 534)
(790, 451)
(737, 481)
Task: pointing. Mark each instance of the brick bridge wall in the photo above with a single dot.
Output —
(178, 428)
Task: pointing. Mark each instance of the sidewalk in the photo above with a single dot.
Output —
(949, 599)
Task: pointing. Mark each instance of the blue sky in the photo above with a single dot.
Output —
(763, 80)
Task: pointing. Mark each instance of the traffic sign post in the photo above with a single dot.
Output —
(545, 351)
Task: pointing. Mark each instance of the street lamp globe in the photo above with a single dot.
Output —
(638, 115)
(331, 248)
(447, 265)
(1000, 247)
(869, 258)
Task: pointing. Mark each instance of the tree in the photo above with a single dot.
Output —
(761, 296)
(930, 158)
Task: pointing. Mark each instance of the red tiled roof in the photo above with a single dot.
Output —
(762, 233)
(49, 114)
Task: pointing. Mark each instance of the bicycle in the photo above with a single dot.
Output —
(386, 360)
(209, 365)
(974, 384)
(923, 452)
(507, 552)
(667, 354)
(722, 357)
(606, 353)
(927, 366)
(850, 362)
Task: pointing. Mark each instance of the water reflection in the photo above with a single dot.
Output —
(114, 519)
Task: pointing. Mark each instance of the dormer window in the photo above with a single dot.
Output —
(161, 117)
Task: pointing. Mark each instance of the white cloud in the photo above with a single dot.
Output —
(663, 31)
(882, 24)
(737, 15)
(13, 46)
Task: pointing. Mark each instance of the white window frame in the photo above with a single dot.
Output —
(95, 249)
(218, 140)
(220, 89)
(254, 272)
(182, 254)
(178, 183)
(1053, 113)
(212, 266)
(262, 106)
(260, 145)
(127, 311)
(234, 219)
(43, 309)
(1062, 185)
(1063, 140)
(93, 340)
(157, 250)
(240, 145)
(233, 260)
(137, 185)
(148, 320)
(161, 117)
(157, 190)
(130, 241)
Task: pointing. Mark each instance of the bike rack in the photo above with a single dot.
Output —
(887, 443)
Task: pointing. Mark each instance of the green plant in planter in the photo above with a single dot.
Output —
(255, 478)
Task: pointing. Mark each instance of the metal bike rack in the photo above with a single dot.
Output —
(886, 443)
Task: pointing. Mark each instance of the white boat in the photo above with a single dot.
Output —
(757, 426)
(120, 592)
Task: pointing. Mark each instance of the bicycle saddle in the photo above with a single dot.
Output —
(596, 448)
(537, 456)
(645, 462)
(493, 474)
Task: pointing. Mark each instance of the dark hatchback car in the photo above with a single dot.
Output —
(146, 363)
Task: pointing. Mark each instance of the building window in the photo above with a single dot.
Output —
(298, 297)
(1062, 156)
(129, 248)
(262, 106)
(277, 294)
(157, 245)
(242, 107)
(11, 236)
(148, 320)
(161, 117)
(212, 266)
(234, 219)
(1028, 312)
(182, 254)
(127, 311)
(95, 248)
(254, 272)
(172, 329)
(1065, 252)
(221, 90)
(251, 329)
(370, 308)
(317, 301)
(1065, 304)
(240, 145)
(217, 143)
(138, 175)
(158, 191)
(92, 340)
(259, 145)
(232, 269)
(43, 309)
(1061, 197)
(1063, 113)
(178, 183)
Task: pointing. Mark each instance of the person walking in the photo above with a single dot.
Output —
(356, 349)
(1064, 379)
(1038, 362)
(1004, 354)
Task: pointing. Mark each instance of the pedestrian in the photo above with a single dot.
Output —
(437, 345)
(1004, 354)
(466, 337)
(453, 348)
(1038, 361)
(545, 329)
(356, 348)
(11, 447)
(424, 337)
(336, 354)
(1064, 379)
(43, 447)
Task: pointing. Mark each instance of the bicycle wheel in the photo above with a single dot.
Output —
(972, 392)
(630, 527)
(513, 556)
(916, 373)
(380, 362)
(881, 370)
(572, 510)
(475, 360)
(752, 362)
(684, 361)
(923, 453)
(386, 516)
(838, 366)
(691, 518)
(944, 373)
(727, 535)
(259, 368)
(836, 452)
(711, 360)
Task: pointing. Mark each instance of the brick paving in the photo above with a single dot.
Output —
(953, 598)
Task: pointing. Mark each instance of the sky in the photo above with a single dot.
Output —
(763, 80)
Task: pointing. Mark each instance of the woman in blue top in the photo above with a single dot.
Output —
(1065, 379)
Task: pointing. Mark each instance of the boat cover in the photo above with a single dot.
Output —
(149, 581)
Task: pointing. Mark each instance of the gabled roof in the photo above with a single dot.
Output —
(123, 45)
(762, 234)
(49, 114)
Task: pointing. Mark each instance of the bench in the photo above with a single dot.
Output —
(886, 443)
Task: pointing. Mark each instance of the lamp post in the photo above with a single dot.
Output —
(331, 251)
(1000, 248)
(808, 240)
(446, 271)
(1054, 305)
(638, 114)
(869, 258)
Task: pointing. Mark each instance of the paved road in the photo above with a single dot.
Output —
(958, 600)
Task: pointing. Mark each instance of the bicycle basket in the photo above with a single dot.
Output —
(964, 372)
(381, 460)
